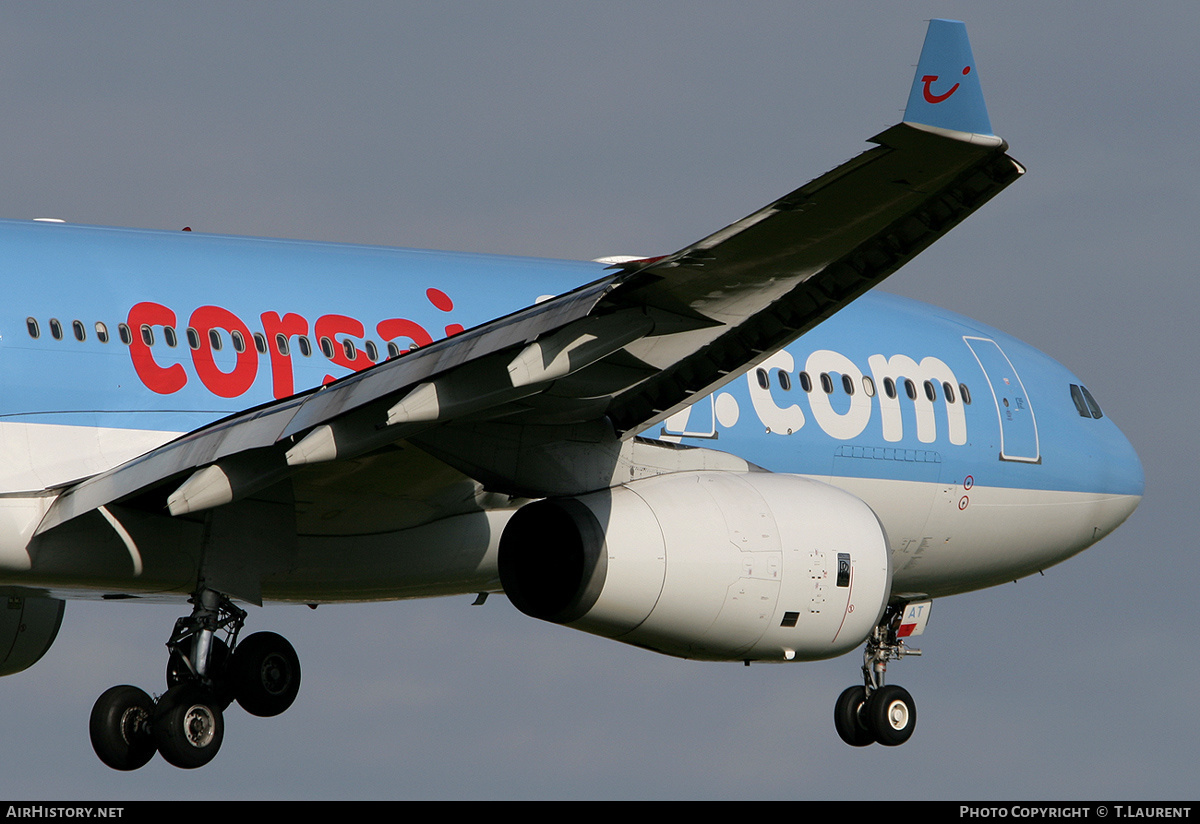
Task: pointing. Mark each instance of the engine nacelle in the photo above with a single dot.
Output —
(711, 565)
(28, 626)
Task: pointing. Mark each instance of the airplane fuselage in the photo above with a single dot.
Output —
(973, 449)
(733, 452)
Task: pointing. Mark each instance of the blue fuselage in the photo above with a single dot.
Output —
(159, 332)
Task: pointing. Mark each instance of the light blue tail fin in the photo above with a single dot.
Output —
(946, 93)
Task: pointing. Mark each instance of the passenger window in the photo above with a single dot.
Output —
(763, 381)
(79, 330)
(101, 332)
(848, 384)
(826, 383)
(373, 352)
(304, 346)
(785, 381)
(55, 329)
(214, 340)
(32, 325)
(260, 343)
(348, 348)
(868, 386)
(326, 347)
(281, 343)
(948, 391)
(965, 393)
(169, 336)
(124, 334)
(910, 389)
(193, 338)
(930, 391)
(239, 342)
(805, 382)
(147, 335)
(889, 387)
(393, 349)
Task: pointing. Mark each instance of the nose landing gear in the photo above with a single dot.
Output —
(205, 674)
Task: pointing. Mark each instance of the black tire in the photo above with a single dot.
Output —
(120, 730)
(891, 715)
(848, 720)
(188, 726)
(265, 672)
(178, 672)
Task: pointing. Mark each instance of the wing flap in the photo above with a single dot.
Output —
(254, 443)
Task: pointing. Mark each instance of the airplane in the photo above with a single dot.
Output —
(737, 452)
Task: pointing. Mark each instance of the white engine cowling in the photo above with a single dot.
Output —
(28, 626)
(711, 565)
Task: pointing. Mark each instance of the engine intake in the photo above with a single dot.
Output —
(709, 565)
(28, 626)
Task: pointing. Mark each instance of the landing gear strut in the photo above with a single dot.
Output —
(878, 712)
(205, 674)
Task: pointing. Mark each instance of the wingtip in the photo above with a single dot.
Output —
(946, 95)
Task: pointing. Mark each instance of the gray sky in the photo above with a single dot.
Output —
(575, 130)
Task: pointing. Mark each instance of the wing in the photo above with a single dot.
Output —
(584, 372)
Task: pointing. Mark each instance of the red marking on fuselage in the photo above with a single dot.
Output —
(161, 379)
(283, 382)
(439, 299)
(165, 380)
(225, 384)
(442, 301)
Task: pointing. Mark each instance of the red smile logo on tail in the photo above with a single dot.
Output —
(930, 97)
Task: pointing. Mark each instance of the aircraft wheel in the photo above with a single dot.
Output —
(847, 718)
(188, 726)
(120, 730)
(265, 672)
(891, 715)
(179, 673)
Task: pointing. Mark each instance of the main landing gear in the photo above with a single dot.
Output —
(878, 712)
(205, 674)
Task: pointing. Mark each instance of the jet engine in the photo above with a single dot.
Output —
(28, 626)
(710, 565)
